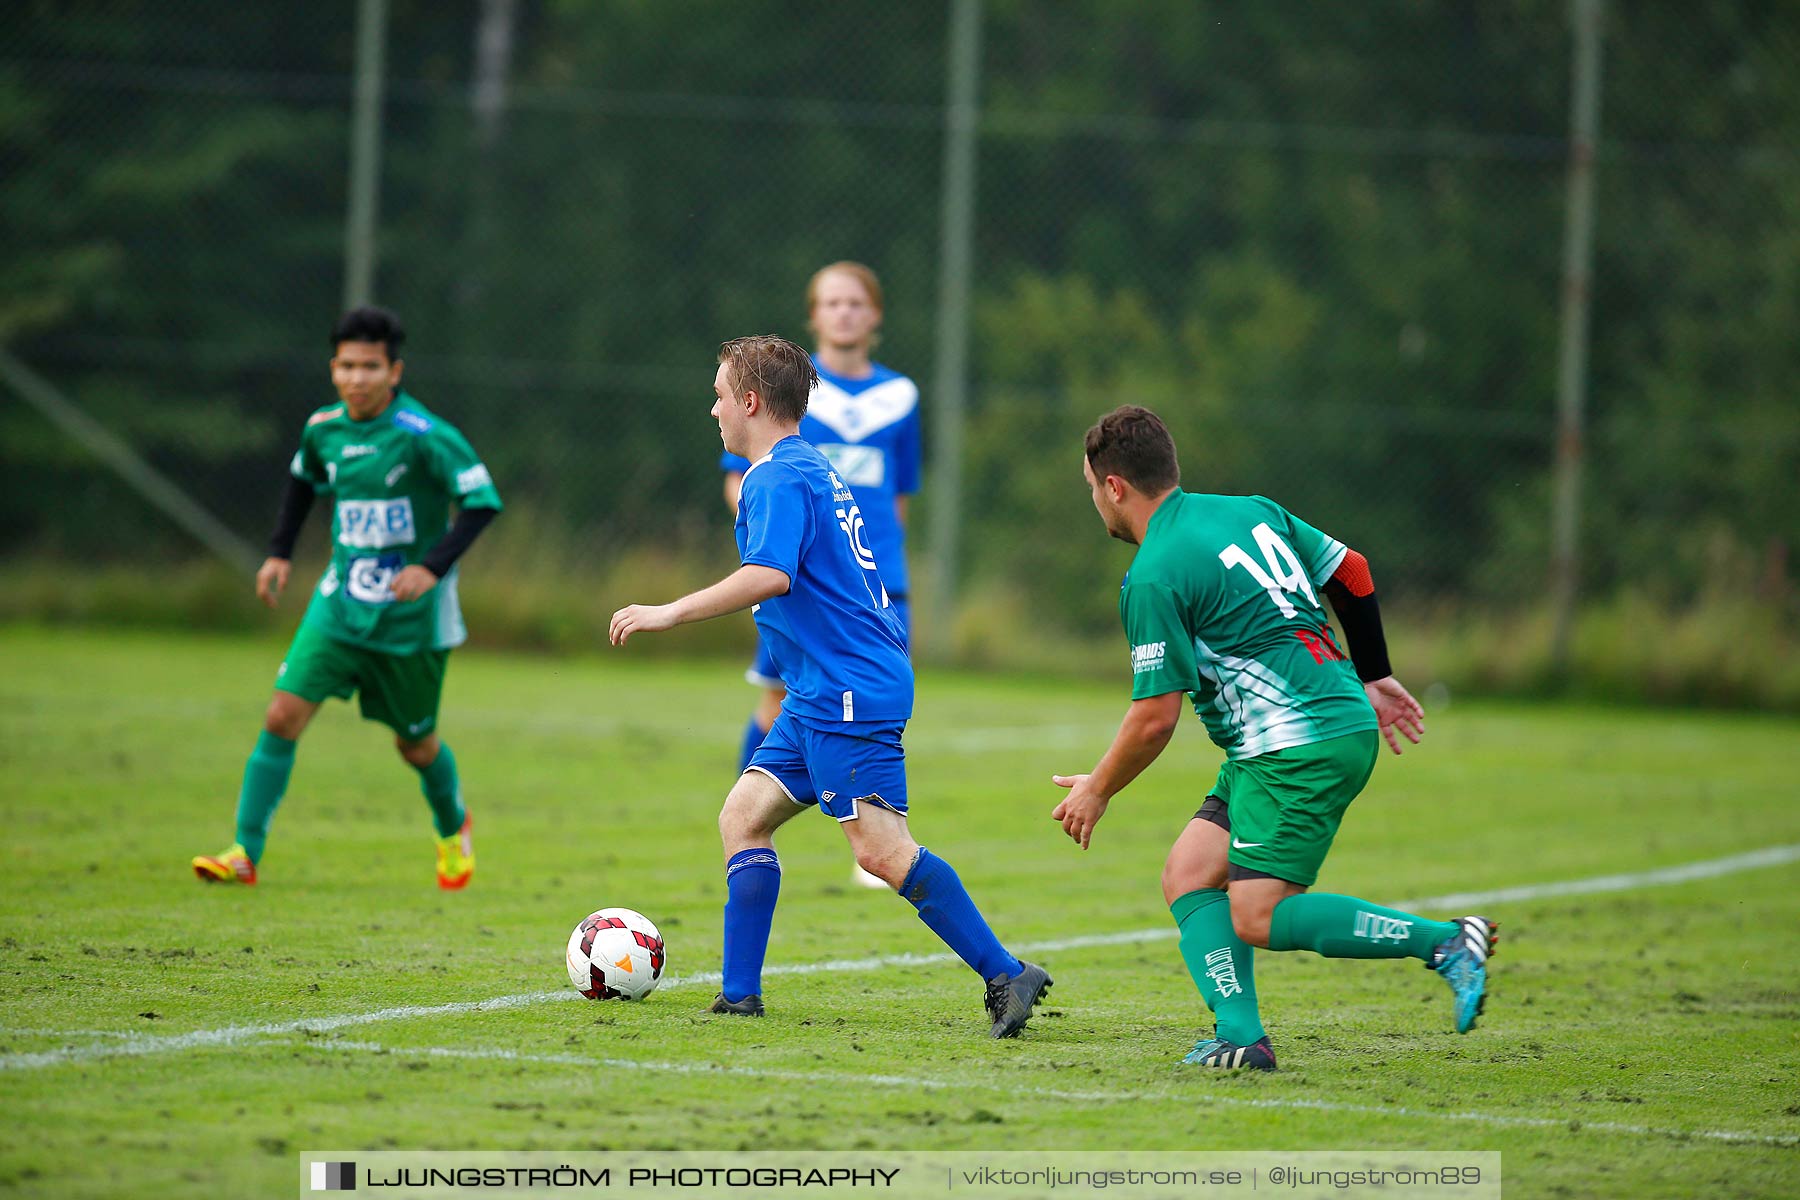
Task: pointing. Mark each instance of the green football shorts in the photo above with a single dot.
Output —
(399, 690)
(1285, 806)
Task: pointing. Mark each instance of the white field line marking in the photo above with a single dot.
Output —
(136, 1044)
(1773, 856)
(1183, 1096)
(230, 1035)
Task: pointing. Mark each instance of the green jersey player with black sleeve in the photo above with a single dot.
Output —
(1223, 607)
(1266, 676)
(384, 615)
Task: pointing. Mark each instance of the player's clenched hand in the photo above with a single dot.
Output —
(271, 577)
(1396, 709)
(413, 582)
(1080, 810)
(640, 618)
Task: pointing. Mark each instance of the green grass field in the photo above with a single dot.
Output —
(1639, 1042)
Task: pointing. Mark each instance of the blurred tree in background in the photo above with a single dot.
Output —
(1323, 240)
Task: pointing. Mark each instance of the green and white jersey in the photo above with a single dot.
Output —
(1222, 602)
(393, 479)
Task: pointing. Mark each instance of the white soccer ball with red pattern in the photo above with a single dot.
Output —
(616, 954)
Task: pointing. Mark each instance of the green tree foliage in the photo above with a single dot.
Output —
(1324, 240)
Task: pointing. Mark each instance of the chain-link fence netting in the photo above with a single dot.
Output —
(1325, 241)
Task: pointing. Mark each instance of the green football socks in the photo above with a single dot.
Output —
(265, 779)
(1221, 963)
(1345, 927)
(443, 791)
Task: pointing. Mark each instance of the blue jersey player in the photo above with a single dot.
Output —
(864, 418)
(810, 577)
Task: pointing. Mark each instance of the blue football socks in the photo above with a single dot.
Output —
(753, 740)
(933, 888)
(752, 883)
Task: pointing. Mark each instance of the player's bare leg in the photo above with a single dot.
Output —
(884, 846)
(767, 710)
(754, 809)
(288, 715)
(421, 753)
(863, 876)
(1196, 860)
(1253, 904)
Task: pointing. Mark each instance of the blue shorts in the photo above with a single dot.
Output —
(765, 674)
(834, 768)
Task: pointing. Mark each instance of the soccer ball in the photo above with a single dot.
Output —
(616, 954)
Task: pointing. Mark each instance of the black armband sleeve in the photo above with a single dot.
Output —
(460, 536)
(296, 502)
(1361, 618)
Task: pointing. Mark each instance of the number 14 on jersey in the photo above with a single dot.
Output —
(1283, 573)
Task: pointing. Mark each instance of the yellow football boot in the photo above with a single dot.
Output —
(456, 857)
(228, 866)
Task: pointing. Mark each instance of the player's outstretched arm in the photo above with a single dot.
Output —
(1148, 725)
(749, 584)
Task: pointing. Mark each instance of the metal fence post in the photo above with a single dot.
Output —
(950, 381)
(1577, 289)
(365, 152)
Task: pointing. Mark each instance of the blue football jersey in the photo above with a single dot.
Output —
(868, 429)
(834, 635)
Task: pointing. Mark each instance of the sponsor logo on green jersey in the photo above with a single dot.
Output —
(375, 524)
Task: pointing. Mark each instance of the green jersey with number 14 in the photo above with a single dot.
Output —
(1222, 602)
(393, 479)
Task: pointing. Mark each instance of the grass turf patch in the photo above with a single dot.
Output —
(1626, 1030)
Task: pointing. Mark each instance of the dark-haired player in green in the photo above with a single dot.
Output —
(384, 616)
(1222, 604)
